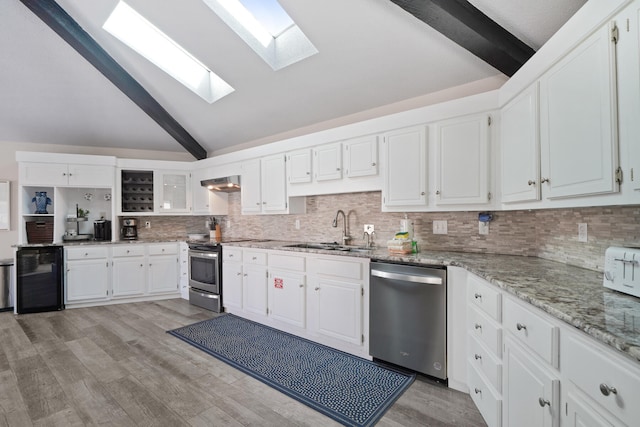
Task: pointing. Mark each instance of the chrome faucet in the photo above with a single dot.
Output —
(345, 236)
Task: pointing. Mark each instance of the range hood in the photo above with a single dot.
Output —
(227, 184)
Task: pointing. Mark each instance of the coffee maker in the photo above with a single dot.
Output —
(129, 229)
(102, 230)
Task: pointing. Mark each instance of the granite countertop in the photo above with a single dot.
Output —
(571, 294)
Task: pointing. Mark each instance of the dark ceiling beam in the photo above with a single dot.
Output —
(463, 23)
(67, 28)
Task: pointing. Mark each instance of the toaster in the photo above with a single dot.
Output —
(622, 270)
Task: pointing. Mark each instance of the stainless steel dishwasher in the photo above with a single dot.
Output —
(408, 317)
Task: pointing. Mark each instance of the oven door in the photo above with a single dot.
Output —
(204, 271)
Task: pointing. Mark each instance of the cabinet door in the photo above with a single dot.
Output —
(91, 176)
(463, 161)
(580, 413)
(163, 274)
(328, 162)
(578, 125)
(232, 284)
(531, 391)
(172, 192)
(405, 176)
(287, 297)
(204, 201)
(339, 306)
(520, 146)
(274, 184)
(299, 166)
(361, 156)
(251, 197)
(49, 174)
(129, 276)
(254, 284)
(87, 280)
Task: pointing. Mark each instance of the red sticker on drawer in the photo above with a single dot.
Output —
(278, 283)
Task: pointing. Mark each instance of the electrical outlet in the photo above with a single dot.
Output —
(369, 228)
(440, 227)
(297, 224)
(147, 224)
(483, 227)
(582, 232)
(228, 224)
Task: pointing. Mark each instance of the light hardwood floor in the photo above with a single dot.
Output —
(116, 365)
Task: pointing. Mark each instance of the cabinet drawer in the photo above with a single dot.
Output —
(593, 370)
(529, 328)
(485, 362)
(486, 399)
(253, 257)
(231, 254)
(127, 250)
(163, 249)
(485, 297)
(344, 269)
(287, 262)
(485, 330)
(87, 252)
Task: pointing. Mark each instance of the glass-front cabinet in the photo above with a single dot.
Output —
(172, 191)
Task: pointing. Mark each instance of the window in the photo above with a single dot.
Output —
(135, 31)
(267, 28)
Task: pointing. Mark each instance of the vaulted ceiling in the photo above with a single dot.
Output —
(372, 53)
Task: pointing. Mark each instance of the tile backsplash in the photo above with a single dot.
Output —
(550, 233)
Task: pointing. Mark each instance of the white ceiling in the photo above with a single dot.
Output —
(371, 53)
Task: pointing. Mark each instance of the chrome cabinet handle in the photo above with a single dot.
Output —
(301, 285)
(230, 255)
(477, 390)
(238, 274)
(478, 326)
(606, 390)
(520, 326)
(543, 180)
(477, 356)
(543, 402)
(245, 274)
(530, 182)
(373, 164)
(422, 193)
(316, 289)
(438, 193)
(337, 169)
(478, 296)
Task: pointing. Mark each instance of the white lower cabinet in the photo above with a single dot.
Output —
(321, 298)
(87, 274)
(531, 390)
(101, 274)
(129, 274)
(163, 268)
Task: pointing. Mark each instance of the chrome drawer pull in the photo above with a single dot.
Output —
(520, 326)
(477, 390)
(477, 356)
(606, 390)
(478, 296)
(544, 402)
(478, 326)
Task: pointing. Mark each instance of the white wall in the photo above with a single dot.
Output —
(9, 171)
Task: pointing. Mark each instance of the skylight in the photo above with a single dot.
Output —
(135, 31)
(267, 28)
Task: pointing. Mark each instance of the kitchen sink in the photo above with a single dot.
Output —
(330, 247)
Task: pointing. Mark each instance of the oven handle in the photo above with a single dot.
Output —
(429, 280)
(204, 255)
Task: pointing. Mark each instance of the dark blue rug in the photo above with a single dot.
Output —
(351, 390)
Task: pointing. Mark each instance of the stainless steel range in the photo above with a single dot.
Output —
(205, 275)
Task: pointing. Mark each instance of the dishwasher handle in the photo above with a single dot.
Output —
(429, 280)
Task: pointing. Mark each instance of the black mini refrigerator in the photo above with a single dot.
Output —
(39, 279)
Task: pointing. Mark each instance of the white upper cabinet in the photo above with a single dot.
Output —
(578, 124)
(462, 154)
(274, 184)
(328, 162)
(204, 201)
(74, 175)
(520, 145)
(251, 196)
(172, 191)
(405, 174)
(628, 56)
(361, 156)
(299, 163)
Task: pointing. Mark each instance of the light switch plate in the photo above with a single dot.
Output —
(483, 228)
(440, 227)
(582, 232)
